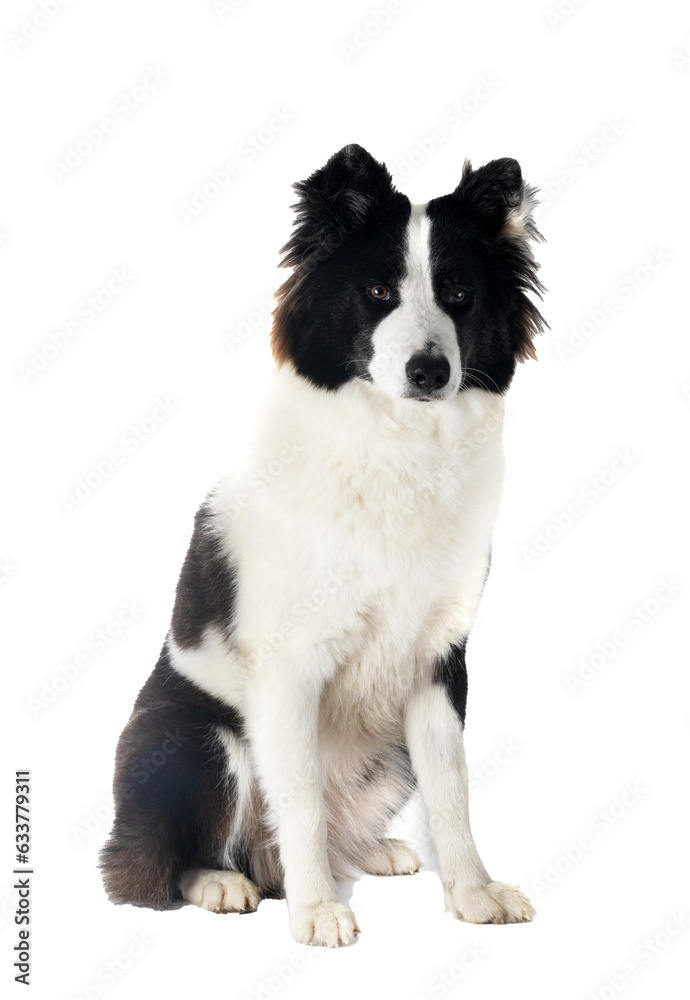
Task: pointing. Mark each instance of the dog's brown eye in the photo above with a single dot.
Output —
(379, 292)
(453, 293)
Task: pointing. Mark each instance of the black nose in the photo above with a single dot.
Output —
(428, 372)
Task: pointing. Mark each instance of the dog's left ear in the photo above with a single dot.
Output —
(499, 199)
(500, 204)
(336, 200)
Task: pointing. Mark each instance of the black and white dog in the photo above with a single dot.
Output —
(314, 672)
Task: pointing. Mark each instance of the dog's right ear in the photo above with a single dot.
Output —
(335, 201)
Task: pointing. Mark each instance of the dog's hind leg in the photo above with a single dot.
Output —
(219, 891)
(363, 794)
(390, 857)
(177, 802)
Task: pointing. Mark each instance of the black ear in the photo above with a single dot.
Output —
(500, 204)
(499, 199)
(339, 198)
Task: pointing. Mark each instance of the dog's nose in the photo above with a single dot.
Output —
(428, 372)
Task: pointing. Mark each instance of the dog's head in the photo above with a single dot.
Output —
(422, 301)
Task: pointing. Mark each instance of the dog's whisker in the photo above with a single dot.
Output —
(476, 372)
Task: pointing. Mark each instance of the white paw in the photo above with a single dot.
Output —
(391, 857)
(220, 892)
(328, 924)
(495, 903)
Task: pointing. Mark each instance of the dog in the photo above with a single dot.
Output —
(314, 673)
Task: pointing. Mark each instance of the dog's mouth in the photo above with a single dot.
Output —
(423, 395)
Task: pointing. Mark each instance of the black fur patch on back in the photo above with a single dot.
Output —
(206, 589)
(451, 671)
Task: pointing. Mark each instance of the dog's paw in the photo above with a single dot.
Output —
(391, 857)
(494, 903)
(328, 924)
(220, 892)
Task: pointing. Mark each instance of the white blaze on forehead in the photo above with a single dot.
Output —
(418, 322)
(417, 289)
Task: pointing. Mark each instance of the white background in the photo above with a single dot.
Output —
(172, 334)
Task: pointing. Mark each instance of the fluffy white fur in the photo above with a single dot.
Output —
(519, 224)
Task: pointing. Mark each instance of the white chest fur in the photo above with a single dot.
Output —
(359, 529)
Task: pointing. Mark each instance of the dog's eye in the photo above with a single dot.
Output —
(453, 293)
(381, 293)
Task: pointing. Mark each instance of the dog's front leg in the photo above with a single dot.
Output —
(434, 732)
(284, 717)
